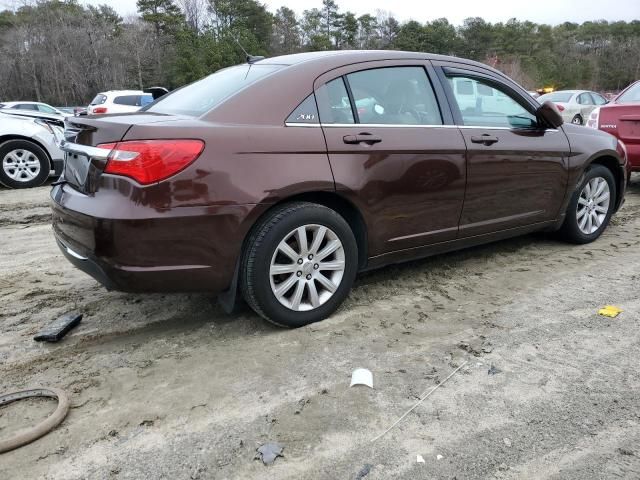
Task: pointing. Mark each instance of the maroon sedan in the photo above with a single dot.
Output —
(621, 118)
(282, 178)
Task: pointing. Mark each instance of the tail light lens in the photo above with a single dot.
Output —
(594, 118)
(560, 107)
(150, 161)
(100, 110)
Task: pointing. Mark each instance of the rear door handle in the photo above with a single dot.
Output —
(485, 139)
(363, 137)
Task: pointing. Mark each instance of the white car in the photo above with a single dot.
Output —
(29, 151)
(119, 101)
(33, 107)
(574, 105)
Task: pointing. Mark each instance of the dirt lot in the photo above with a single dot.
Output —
(168, 386)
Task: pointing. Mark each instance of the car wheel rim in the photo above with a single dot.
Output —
(593, 205)
(307, 267)
(21, 165)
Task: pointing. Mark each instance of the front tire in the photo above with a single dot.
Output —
(299, 264)
(591, 206)
(23, 164)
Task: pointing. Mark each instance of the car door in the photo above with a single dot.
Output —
(394, 151)
(516, 167)
(586, 104)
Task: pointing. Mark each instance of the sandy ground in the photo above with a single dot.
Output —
(168, 386)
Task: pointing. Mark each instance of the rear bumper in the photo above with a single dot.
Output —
(88, 265)
(178, 250)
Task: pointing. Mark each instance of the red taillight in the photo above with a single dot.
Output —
(560, 107)
(150, 161)
(100, 110)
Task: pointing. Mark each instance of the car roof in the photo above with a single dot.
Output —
(569, 91)
(123, 92)
(337, 58)
(25, 102)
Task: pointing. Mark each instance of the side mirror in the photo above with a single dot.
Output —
(550, 114)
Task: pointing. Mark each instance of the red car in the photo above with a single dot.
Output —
(621, 118)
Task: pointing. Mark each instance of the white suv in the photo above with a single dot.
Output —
(119, 101)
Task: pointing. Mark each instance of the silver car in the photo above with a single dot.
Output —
(28, 149)
(574, 105)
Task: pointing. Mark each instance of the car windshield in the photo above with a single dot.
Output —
(201, 96)
(556, 97)
(630, 96)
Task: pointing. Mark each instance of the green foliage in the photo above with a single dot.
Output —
(92, 47)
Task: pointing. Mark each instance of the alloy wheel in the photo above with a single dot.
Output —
(593, 205)
(21, 165)
(307, 267)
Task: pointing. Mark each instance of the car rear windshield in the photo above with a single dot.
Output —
(563, 97)
(99, 99)
(630, 96)
(201, 96)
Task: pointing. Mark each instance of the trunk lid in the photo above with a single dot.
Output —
(83, 161)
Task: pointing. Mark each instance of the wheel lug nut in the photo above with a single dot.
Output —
(299, 261)
(309, 277)
(310, 257)
(299, 273)
(316, 266)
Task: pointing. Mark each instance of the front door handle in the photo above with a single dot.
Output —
(485, 139)
(363, 137)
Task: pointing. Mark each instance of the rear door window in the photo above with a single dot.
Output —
(26, 106)
(394, 96)
(334, 103)
(130, 100)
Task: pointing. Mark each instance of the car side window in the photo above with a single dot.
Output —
(46, 109)
(334, 104)
(130, 100)
(585, 99)
(306, 112)
(488, 106)
(598, 99)
(394, 95)
(26, 106)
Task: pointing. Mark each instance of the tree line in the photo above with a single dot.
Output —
(63, 53)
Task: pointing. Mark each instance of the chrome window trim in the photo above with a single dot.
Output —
(378, 125)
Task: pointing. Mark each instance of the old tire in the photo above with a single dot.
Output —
(287, 276)
(591, 206)
(23, 164)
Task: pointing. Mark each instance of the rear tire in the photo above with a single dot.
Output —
(23, 164)
(294, 239)
(577, 120)
(591, 206)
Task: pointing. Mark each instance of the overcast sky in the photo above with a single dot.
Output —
(539, 11)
